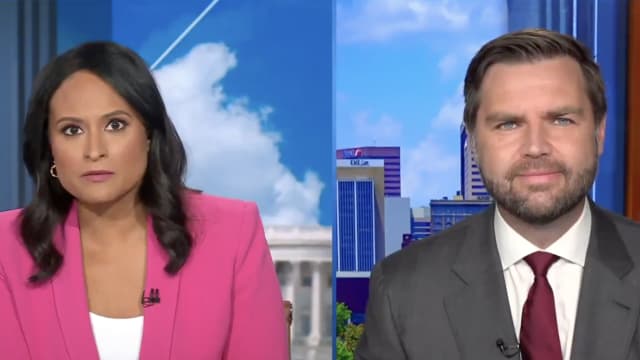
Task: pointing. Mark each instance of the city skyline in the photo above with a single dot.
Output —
(399, 73)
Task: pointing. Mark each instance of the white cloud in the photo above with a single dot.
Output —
(492, 14)
(230, 153)
(448, 65)
(455, 62)
(429, 171)
(386, 131)
(451, 111)
(471, 49)
(380, 20)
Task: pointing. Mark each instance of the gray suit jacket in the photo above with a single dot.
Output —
(445, 297)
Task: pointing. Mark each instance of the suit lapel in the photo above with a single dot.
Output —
(478, 310)
(69, 291)
(609, 302)
(70, 296)
(157, 335)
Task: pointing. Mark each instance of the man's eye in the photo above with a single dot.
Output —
(507, 125)
(562, 121)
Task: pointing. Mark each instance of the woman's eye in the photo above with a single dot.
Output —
(116, 125)
(71, 130)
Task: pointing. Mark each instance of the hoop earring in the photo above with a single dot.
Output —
(53, 171)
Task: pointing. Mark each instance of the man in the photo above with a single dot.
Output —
(545, 274)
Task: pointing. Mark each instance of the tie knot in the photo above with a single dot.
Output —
(540, 262)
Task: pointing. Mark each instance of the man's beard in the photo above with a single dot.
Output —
(519, 204)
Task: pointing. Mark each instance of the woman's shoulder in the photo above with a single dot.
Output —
(206, 207)
(225, 221)
(9, 222)
(10, 240)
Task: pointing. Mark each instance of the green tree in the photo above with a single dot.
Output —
(342, 353)
(347, 333)
(343, 317)
(352, 335)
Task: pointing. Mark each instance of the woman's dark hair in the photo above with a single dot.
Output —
(162, 186)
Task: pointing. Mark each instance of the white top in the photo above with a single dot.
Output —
(117, 339)
(564, 276)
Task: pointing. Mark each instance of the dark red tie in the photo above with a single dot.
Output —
(539, 338)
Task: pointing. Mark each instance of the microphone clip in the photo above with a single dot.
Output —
(152, 299)
(508, 350)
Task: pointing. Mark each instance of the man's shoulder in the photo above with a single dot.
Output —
(627, 229)
(625, 226)
(433, 255)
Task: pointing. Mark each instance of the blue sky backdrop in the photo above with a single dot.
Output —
(399, 69)
(249, 89)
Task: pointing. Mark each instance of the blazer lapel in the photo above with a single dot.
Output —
(69, 291)
(478, 309)
(158, 326)
(609, 301)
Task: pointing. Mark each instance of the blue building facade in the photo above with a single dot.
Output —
(356, 226)
(446, 213)
(355, 242)
(420, 228)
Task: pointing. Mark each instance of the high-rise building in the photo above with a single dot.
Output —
(359, 225)
(446, 213)
(397, 223)
(391, 157)
(360, 228)
(420, 223)
(471, 183)
(356, 225)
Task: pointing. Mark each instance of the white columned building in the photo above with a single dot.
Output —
(302, 255)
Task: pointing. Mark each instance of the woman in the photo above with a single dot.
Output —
(115, 258)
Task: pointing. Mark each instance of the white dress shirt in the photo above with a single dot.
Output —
(564, 276)
(117, 339)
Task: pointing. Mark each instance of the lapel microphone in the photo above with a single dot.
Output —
(152, 299)
(508, 350)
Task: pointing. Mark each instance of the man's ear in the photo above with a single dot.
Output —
(472, 144)
(600, 133)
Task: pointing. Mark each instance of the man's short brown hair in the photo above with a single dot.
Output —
(529, 46)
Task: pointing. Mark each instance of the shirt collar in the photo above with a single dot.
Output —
(571, 246)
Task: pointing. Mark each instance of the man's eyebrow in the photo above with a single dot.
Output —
(499, 116)
(564, 110)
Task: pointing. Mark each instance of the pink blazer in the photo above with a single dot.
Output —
(225, 303)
